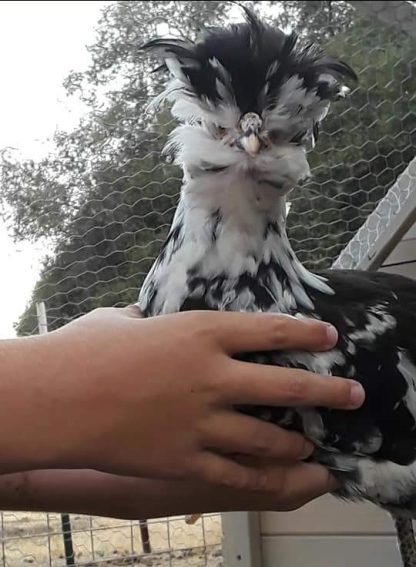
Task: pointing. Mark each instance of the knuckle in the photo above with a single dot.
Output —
(245, 479)
(281, 326)
(235, 481)
(262, 445)
(258, 481)
(296, 389)
(203, 471)
(229, 478)
(213, 382)
(195, 320)
(242, 479)
(200, 428)
(209, 475)
(214, 473)
(204, 326)
(238, 481)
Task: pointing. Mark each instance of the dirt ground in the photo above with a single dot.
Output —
(36, 539)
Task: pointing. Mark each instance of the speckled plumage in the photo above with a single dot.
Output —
(228, 248)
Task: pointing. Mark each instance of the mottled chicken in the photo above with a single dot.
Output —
(250, 99)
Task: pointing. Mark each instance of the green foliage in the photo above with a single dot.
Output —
(106, 249)
(363, 148)
(106, 197)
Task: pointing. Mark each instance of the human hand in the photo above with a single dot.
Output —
(155, 397)
(99, 494)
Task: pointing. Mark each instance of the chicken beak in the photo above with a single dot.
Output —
(251, 144)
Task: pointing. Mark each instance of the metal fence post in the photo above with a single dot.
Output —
(144, 532)
(65, 518)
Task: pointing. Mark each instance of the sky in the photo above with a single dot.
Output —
(40, 43)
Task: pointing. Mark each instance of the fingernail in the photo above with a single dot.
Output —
(332, 335)
(357, 394)
(307, 450)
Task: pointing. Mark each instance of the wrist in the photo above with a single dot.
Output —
(35, 420)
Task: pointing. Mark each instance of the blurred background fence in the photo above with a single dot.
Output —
(37, 539)
(101, 201)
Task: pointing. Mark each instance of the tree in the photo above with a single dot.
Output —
(363, 148)
(105, 197)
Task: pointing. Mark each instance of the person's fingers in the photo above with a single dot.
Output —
(287, 487)
(243, 332)
(291, 485)
(239, 332)
(257, 384)
(223, 471)
(303, 482)
(234, 433)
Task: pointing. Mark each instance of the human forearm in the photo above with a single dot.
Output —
(33, 405)
(94, 493)
(100, 494)
(79, 492)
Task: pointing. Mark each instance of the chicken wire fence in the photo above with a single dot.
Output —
(39, 539)
(102, 201)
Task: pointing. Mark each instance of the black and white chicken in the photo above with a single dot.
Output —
(249, 100)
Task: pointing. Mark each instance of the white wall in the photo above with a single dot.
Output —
(329, 533)
(403, 258)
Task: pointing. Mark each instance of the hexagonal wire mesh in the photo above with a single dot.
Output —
(106, 198)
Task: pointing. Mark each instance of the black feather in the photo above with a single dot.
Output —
(247, 51)
(373, 449)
